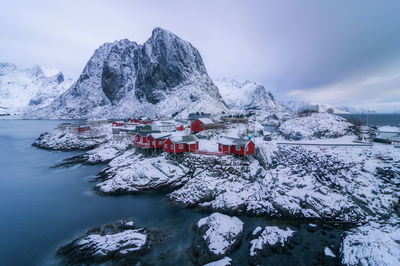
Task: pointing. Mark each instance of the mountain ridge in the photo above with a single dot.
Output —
(28, 89)
(165, 76)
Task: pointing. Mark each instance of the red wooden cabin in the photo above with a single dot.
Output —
(141, 138)
(156, 140)
(236, 146)
(134, 121)
(200, 124)
(83, 129)
(180, 128)
(181, 144)
(118, 124)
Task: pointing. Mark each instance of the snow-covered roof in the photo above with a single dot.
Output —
(205, 121)
(165, 123)
(189, 139)
(146, 133)
(162, 135)
(233, 141)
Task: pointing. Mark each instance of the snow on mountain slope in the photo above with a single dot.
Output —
(296, 106)
(164, 76)
(25, 90)
(353, 110)
(250, 96)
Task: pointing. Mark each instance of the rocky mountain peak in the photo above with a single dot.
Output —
(165, 61)
(164, 76)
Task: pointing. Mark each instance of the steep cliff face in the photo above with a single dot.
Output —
(164, 76)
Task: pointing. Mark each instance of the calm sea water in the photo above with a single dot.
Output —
(42, 207)
(375, 119)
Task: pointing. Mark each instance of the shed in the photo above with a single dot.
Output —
(194, 116)
(164, 126)
(118, 124)
(200, 124)
(84, 128)
(181, 144)
(156, 140)
(236, 146)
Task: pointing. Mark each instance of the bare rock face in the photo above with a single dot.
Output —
(123, 79)
(219, 235)
(165, 62)
(119, 71)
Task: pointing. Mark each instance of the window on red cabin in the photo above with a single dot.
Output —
(238, 148)
(180, 146)
(159, 142)
(154, 143)
(166, 146)
(247, 148)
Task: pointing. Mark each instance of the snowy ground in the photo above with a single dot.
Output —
(68, 138)
(373, 244)
(134, 172)
(346, 184)
(318, 125)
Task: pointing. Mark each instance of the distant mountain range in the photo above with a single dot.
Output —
(251, 96)
(165, 76)
(295, 106)
(27, 89)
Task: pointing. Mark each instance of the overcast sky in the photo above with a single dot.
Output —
(345, 52)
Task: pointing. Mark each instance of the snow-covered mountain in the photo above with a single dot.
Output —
(250, 96)
(27, 89)
(164, 76)
(296, 106)
(354, 110)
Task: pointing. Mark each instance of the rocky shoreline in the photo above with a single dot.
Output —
(355, 186)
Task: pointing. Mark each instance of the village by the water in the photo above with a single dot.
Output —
(226, 134)
(311, 165)
(147, 159)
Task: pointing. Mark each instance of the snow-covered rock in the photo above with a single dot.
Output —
(25, 90)
(103, 153)
(225, 261)
(328, 252)
(120, 243)
(270, 239)
(164, 76)
(338, 183)
(108, 151)
(372, 244)
(68, 138)
(219, 235)
(317, 125)
(134, 172)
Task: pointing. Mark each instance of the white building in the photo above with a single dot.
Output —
(164, 126)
